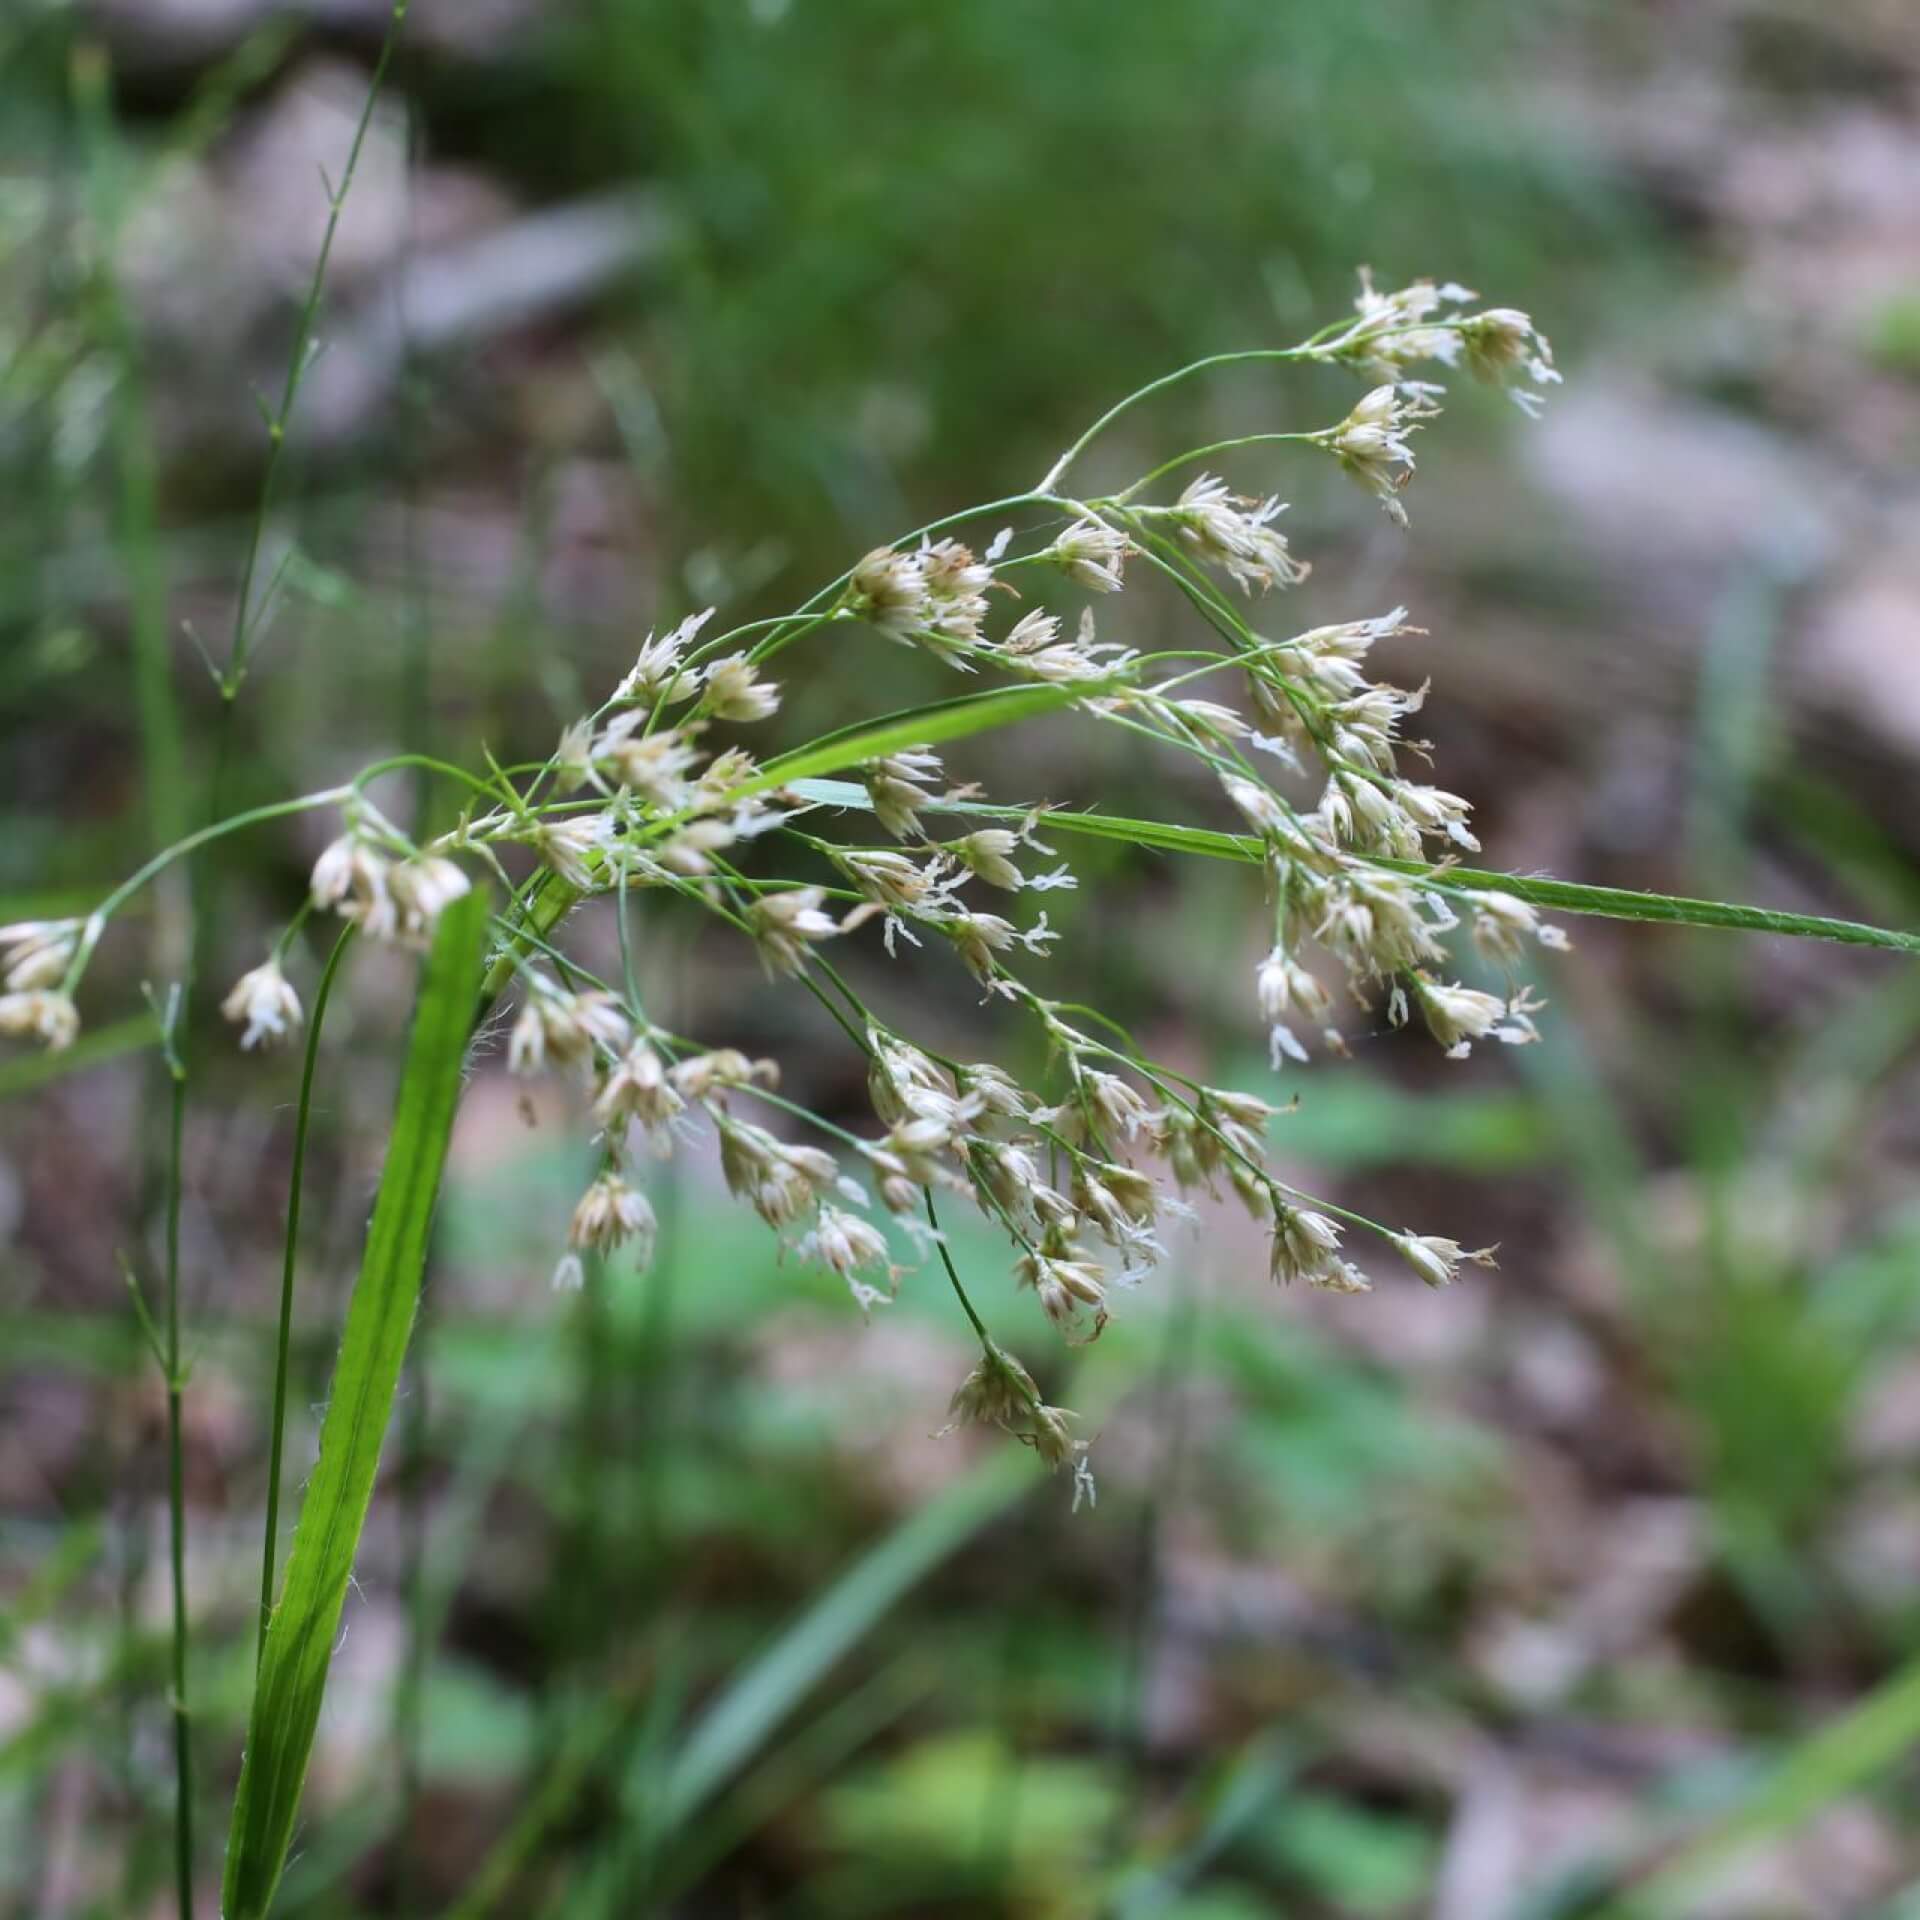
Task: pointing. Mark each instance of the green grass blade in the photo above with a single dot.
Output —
(28, 1072)
(735, 1725)
(919, 727)
(1558, 896)
(1876, 1734)
(300, 1637)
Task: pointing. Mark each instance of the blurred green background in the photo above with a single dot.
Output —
(1496, 1605)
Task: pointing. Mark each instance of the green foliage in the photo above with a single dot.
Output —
(887, 212)
(301, 1633)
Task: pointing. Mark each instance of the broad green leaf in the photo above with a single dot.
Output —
(306, 1620)
(1559, 896)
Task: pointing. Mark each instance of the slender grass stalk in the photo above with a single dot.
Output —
(298, 361)
(290, 1253)
(176, 1478)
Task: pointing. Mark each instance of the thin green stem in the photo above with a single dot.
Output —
(176, 1480)
(298, 362)
(303, 1117)
(1206, 453)
(953, 1274)
(1058, 471)
(161, 861)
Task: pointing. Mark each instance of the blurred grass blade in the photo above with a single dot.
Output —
(300, 1637)
(31, 1071)
(1560, 896)
(1873, 1736)
(761, 1697)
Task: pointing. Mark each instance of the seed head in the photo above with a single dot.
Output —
(1092, 555)
(893, 785)
(736, 692)
(1235, 534)
(783, 924)
(567, 847)
(1502, 923)
(1304, 1244)
(636, 1087)
(889, 590)
(989, 853)
(1371, 443)
(845, 1244)
(655, 676)
(38, 952)
(40, 1014)
(265, 1004)
(1000, 1392)
(1437, 1260)
(1066, 1282)
(611, 1213)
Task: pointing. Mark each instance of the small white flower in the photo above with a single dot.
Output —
(1092, 555)
(736, 692)
(40, 1014)
(843, 1243)
(569, 1273)
(893, 785)
(702, 1074)
(653, 766)
(999, 1392)
(611, 1213)
(573, 757)
(568, 847)
(38, 952)
(1340, 1276)
(1211, 720)
(655, 676)
(265, 1003)
(422, 889)
(956, 585)
(1437, 1260)
(1114, 1105)
(1456, 1015)
(890, 590)
(352, 877)
(1258, 806)
(1503, 922)
(1066, 1282)
(1305, 1244)
(1371, 443)
(637, 1088)
(989, 853)
(784, 924)
(1236, 535)
(979, 936)
(779, 1181)
(1503, 340)
(565, 1028)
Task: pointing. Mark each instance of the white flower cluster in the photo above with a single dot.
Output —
(1084, 1171)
